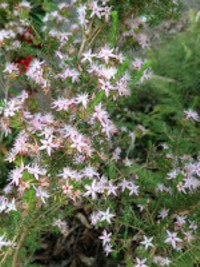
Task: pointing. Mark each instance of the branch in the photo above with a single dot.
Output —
(15, 262)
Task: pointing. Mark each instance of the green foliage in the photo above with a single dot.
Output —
(113, 34)
(154, 10)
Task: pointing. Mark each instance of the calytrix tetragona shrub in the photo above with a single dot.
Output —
(69, 149)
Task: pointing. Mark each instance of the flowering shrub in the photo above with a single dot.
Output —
(67, 84)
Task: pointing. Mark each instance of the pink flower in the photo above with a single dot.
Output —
(133, 189)
(163, 213)
(10, 67)
(106, 13)
(63, 104)
(16, 175)
(106, 53)
(105, 237)
(36, 170)
(124, 185)
(3, 203)
(189, 237)
(143, 40)
(78, 142)
(172, 239)
(109, 128)
(106, 86)
(68, 173)
(147, 74)
(67, 189)
(116, 154)
(96, 10)
(62, 225)
(89, 172)
(42, 194)
(180, 220)
(47, 132)
(100, 114)
(20, 144)
(104, 2)
(35, 124)
(82, 14)
(181, 187)
(95, 217)
(137, 64)
(111, 189)
(48, 145)
(108, 249)
(193, 225)
(12, 107)
(87, 56)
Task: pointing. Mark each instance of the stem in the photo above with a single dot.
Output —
(82, 45)
(84, 40)
(8, 251)
(15, 262)
(97, 31)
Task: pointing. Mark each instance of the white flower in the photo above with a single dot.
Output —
(106, 216)
(161, 260)
(82, 14)
(3, 242)
(92, 190)
(140, 263)
(83, 99)
(11, 206)
(3, 203)
(25, 4)
(147, 242)
(111, 189)
(191, 115)
(87, 56)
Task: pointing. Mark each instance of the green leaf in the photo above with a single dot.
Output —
(97, 100)
(113, 35)
(112, 171)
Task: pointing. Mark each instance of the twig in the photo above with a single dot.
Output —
(95, 35)
(15, 262)
(82, 45)
(84, 40)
